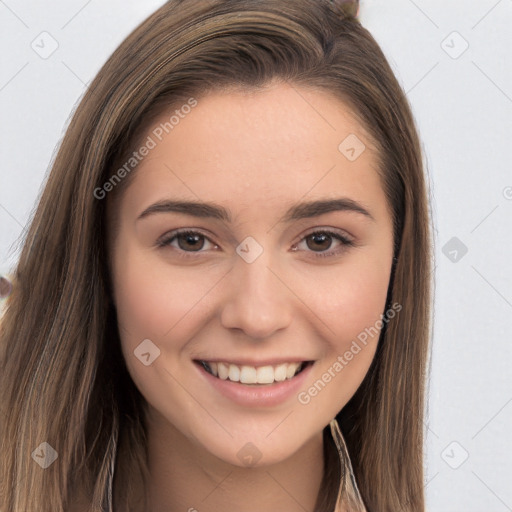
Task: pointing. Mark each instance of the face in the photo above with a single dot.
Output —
(259, 288)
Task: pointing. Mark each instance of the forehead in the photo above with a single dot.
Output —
(258, 150)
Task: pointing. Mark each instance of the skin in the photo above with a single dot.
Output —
(255, 153)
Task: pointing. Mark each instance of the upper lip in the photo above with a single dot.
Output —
(248, 362)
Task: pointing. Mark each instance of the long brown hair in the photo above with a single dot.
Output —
(62, 374)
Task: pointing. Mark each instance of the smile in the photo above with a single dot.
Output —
(257, 384)
(246, 374)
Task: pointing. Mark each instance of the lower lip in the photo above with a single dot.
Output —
(263, 395)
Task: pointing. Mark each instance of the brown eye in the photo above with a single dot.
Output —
(193, 241)
(321, 241)
(187, 241)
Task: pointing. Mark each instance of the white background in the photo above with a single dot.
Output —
(462, 101)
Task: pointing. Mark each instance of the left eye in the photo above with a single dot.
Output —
(193, 241)
(324, 237)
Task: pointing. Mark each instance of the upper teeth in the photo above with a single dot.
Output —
(251, 374)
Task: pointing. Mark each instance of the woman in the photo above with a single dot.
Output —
(181, 333)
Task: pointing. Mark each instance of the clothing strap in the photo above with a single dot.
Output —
(349, 498)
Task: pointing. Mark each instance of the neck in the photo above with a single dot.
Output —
(185, 477)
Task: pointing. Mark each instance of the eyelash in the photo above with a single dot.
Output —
(166, 240)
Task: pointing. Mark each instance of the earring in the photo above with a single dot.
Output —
(349, 496)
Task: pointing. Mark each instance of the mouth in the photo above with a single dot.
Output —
(253, 375)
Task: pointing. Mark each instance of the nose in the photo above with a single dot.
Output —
(258, 299)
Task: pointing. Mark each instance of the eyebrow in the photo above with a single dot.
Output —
(297, 211)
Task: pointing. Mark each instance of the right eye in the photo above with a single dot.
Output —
(186, 239)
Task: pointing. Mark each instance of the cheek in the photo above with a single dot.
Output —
(150, 301)
(350, 302)
(350, 299)
(153, 304)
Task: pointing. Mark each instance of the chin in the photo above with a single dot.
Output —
(254, 450)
